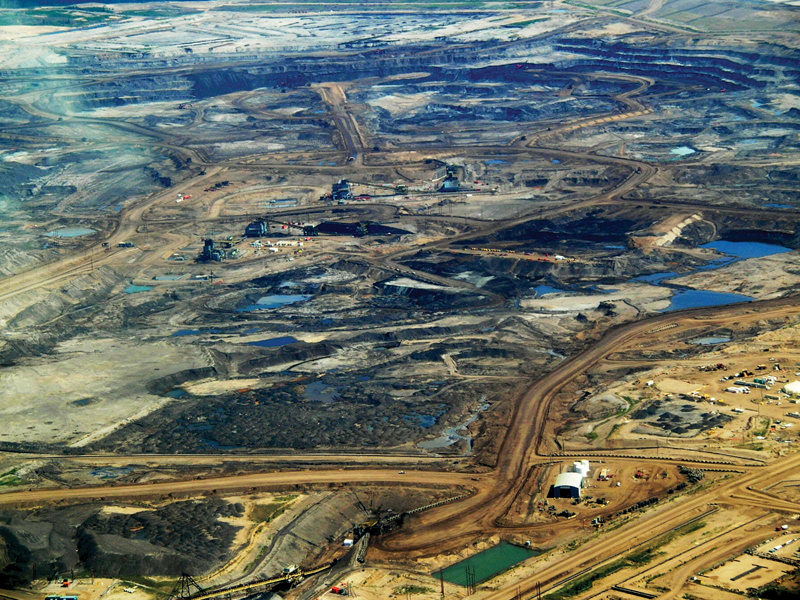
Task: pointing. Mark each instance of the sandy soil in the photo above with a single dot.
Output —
(767, 571)
(13, 32)
(748, 277)
(38, 399)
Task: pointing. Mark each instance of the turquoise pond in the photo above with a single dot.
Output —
(71, 232)
(710, 341)
(683, 151)
(487, 564)
(135, 289)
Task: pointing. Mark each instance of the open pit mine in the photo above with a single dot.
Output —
(399, 298)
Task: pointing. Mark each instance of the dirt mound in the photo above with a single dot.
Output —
(180, 537)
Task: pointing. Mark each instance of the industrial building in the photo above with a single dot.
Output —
(257, 229)
(792, 388)
(450, 184)
(210, 252)
(568, 485)
(341, 190)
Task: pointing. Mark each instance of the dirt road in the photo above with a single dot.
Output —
(524, 446)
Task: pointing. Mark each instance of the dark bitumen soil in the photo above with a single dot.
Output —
(179, 537)
(334, 411)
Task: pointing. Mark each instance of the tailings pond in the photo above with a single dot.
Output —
(487, 564)
(690, 298)
(274, 342)
(274, 301)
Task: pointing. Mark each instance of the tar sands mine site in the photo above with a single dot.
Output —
(425, 300)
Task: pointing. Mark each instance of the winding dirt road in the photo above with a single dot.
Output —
(525, 443)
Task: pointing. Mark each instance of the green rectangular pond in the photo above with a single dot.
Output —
(488, 563)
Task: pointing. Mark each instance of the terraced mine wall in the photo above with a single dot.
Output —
(703, 66)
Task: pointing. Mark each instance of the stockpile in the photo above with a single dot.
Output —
(692, 475)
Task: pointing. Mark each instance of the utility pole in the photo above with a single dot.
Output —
(471, 587)
(441, 580)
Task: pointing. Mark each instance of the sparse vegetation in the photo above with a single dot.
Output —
(638, 558)
(9, 478)
(411, 590)
(760, 426)
(265, 513)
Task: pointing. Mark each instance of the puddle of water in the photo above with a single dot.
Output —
(274, 301)
(274, 342)
(496, 162)
(779, 205)
(451, 435)
(169, 277)
(487, 564)
(135, 289)
(702, 298)
(710, 341)
(474, 278)
(111, 472)
(71, 232)
(320, 391)
(682, 151)
(424, 421)
(177, 393)
(541, 290)
(84, 402)
(183, 332)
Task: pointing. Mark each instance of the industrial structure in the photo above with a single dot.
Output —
(570, 484)
(210, 253)
(793, 388)
(291, 576)
(451, 182)
(341, 190)
(257, 229)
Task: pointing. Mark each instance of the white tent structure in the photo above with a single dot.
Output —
(568, 485)
(792, 388)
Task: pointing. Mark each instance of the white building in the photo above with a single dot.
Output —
(792, 388)
(582, 467)
(568, 485)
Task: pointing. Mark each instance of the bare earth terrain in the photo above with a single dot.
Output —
(297, 297)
